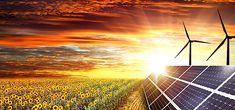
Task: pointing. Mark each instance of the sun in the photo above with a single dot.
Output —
(157, 65)
(156, 68)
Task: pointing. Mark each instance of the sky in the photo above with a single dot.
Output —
(109, 38)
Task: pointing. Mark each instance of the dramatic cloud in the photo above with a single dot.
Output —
(67, 37)
(37, 61)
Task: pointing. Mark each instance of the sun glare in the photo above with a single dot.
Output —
(156, 65)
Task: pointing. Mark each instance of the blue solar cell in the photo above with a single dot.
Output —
(175, 89)
(156, 93)
(192, 73)
(179, 71)
(160, 103)
(189, 98)
(166, 83)
(214, 76)
(218, 102)
(169, 107)
(229, 87)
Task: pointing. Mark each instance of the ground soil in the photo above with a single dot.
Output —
(135, 101)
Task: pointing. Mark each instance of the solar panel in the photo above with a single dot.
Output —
(145, 82)
(171, 69)
(218, 102)
(154, 95)
(153, 77)
(194, 87)
(190, 97)
(160, 103)
(149, 89)
(158, 79)
(179, 71)
(192, 73)
(175, 89)
(169, 107)
(164, 85)
(229, 87)
(214, 76)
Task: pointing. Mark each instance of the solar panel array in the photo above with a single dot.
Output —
(191, 88)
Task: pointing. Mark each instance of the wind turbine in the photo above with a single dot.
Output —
(190, 45)
(227, 37)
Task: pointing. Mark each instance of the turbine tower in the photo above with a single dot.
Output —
(190, 45)
(227, 37)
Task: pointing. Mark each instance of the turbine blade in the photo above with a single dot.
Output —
(186, 31)
(232, 36)
(200, 41)
(182, 49)
(224, 29)
(217, 48)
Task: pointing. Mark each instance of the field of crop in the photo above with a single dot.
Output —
(59, 94)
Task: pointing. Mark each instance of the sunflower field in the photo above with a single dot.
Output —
(63, 94)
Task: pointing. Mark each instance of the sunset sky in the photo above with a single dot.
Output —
(109, 38)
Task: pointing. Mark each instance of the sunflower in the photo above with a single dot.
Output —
(6, 98)
(62, 97)
(6, 101)
(55, 107)
(44, 104)
(60, 107)
(82, 96)
(6, 90)
(74, 99)
(39, 106)
(1, 102)
(23, 104)
(19, 98)
(20, 101)
(35, 107)
(11, 96)
(30, 100)
(10, 102)
(9, 107)
(87, 94)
